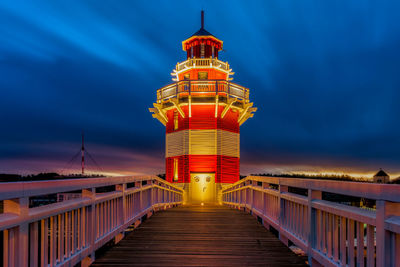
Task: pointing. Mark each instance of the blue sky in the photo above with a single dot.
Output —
(324, 75)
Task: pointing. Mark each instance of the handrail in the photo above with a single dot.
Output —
(202, 62)
(202, 86)
(69, 232)
(332, 234)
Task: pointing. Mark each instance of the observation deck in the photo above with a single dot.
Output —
(202, 63)
(200, 88)
(192, 92)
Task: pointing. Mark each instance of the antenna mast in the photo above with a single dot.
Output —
(202, 19)
(83, 155)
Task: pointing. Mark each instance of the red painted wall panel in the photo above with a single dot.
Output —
(226, 168)
(229, 122)
(203, 117)
(202, 163)
(183, 169)
(183, 123)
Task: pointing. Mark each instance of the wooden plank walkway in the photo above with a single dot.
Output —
(200, 236)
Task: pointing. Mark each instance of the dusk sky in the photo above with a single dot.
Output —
(323, 74)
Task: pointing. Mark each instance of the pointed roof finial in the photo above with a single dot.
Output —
(202, 19)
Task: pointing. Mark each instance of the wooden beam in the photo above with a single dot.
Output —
(177, 106)
(160, 111)
(247, 115)
(227, 107)
(244, 112)
(157, 116)
(246, 118)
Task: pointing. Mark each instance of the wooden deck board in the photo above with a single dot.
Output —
(200, 236)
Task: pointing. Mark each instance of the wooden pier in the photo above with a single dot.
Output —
(200, 236)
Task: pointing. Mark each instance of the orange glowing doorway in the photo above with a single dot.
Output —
(202, 188)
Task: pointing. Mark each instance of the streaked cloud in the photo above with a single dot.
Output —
(323, 74)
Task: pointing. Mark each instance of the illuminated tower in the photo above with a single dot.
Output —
(202, 111)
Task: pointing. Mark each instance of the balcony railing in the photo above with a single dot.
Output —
(202, 86)
(202, 62)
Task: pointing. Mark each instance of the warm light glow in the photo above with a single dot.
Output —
(176, 170)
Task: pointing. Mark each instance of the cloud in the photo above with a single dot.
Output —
(324, 77)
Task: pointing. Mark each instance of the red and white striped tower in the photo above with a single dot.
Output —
(202, 111)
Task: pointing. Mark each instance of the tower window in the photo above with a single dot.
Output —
(212, 51)
(176, 121)
(191, 52)
(186, 77)
(202, 50)
(175, 169)
(203, 75)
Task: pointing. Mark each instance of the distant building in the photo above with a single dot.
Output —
(381, 177)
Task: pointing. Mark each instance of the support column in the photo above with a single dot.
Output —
(312, 225)
(122, 212)
(92, 225)
(17, 251)
(385, 251)
(282, 215)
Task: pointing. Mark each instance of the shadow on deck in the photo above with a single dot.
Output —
(200, 236)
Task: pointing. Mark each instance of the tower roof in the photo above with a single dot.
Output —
(202, 31)
(381, 173)
(202, 34)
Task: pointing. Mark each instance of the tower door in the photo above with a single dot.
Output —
(202, 188)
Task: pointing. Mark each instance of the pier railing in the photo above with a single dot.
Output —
(332, 234)
(202, 86)
(66, 233)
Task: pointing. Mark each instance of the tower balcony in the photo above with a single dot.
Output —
(203, 88)
(203, 92)
(202, 63)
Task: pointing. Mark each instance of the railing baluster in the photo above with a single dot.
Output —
(73, 231)
(335, 238)
(325, 232)
(360, 244)
(33, 244)
(370, 246)
(343, 227)
(53, 226)
(44, 243)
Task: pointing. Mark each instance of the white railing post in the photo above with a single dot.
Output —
(282, 213)
(92, 226)
(123, 213)
(385, 251)
(152, 192)
(138, 185)
(251, 198)
(16, 247)
(312, 224)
